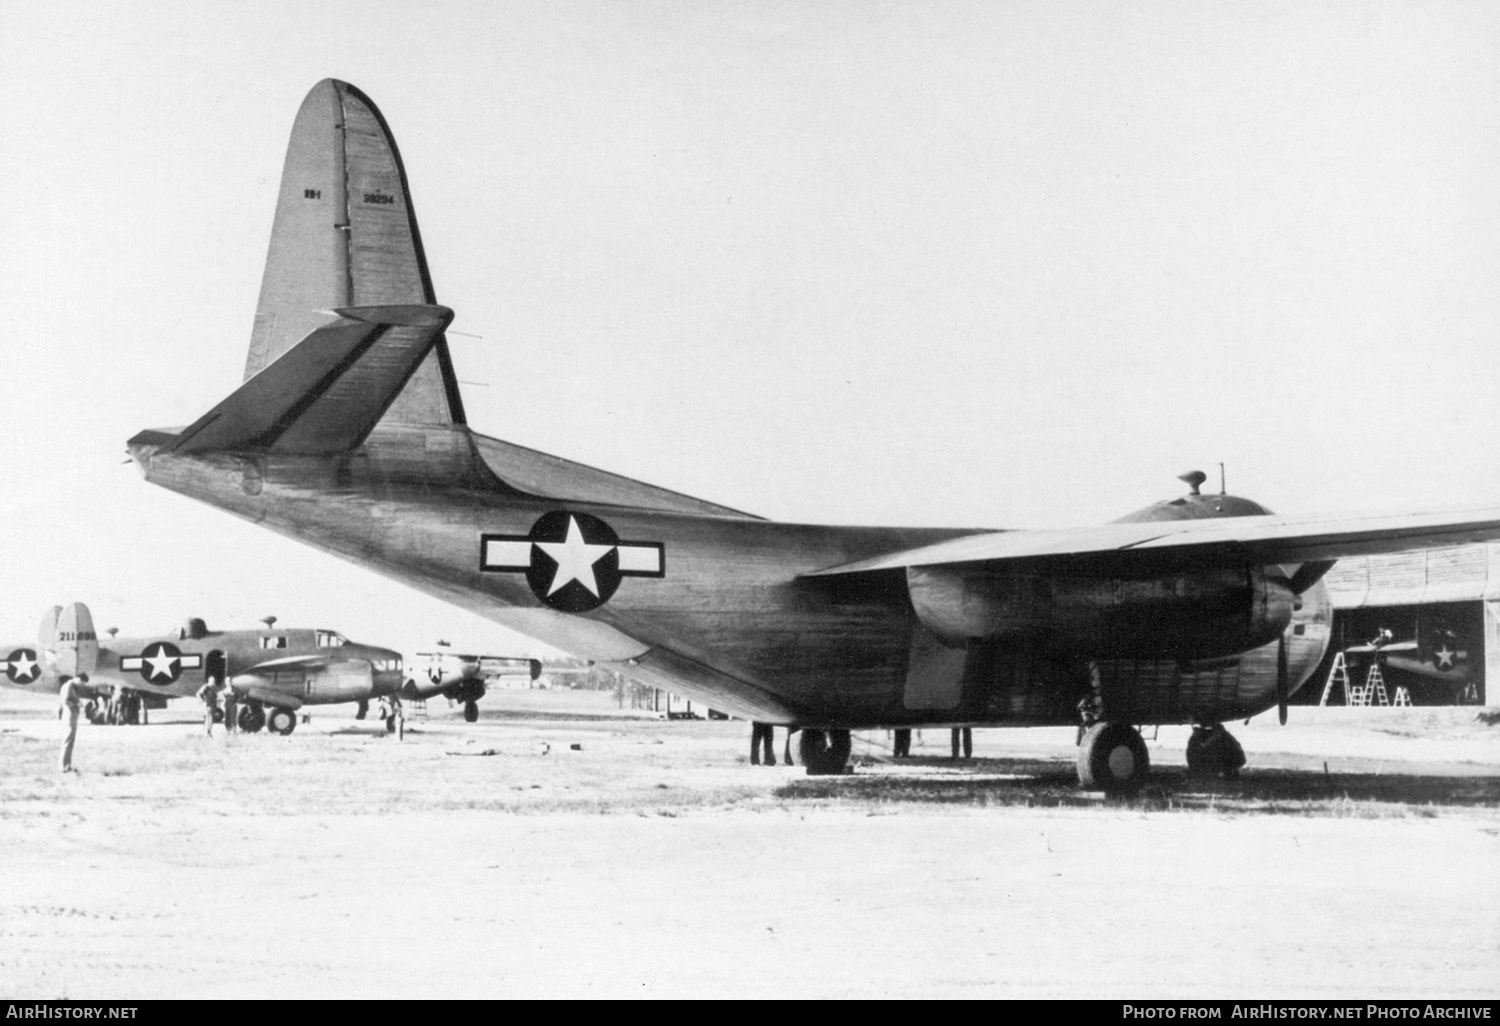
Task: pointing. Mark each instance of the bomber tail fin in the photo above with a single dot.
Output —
(74, 648)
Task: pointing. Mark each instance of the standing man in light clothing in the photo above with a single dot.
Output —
(69, 701)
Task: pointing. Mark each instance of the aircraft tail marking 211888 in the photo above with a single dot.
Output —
(349, 434)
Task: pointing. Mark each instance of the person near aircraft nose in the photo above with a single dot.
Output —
(208, 694)
(963, 736)
(762, 739)
(69, 702)
(231, 711)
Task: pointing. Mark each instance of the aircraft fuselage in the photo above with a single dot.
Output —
(741, 629)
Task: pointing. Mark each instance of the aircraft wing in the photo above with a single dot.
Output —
(1230, 541)
(304, 662)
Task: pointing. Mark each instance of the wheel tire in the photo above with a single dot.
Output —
(251, 718)
(824, 753)
(1112, 758)
(281, 721)
(390, 724)
(471, 712)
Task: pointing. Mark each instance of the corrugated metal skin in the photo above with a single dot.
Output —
(1452, 573)
(345, 235)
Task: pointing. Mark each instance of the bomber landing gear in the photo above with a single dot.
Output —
(824, 752)
(1213, 751)
(471, 711)
(1112, 758)
(282, 720)
(251, 717)
(363, 709)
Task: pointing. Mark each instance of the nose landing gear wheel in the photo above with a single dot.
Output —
(1212, 750)
(1112, 758)
(471, 712)
(825, 753)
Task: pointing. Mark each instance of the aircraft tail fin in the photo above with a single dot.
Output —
(73, 646)
(46, 634)
(324, 395)
(345, 236)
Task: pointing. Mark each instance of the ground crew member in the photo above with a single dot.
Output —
(208, 694)
(69, 703)
(964, 736)
(231, 710)
(762, 738)
(903, 744)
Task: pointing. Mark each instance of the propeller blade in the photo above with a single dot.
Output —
(1281, 679)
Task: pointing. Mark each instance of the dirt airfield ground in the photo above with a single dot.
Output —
(498, 860)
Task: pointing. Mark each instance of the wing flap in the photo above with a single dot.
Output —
(1231, 541)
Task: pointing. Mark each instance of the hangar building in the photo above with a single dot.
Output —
(1434, 616)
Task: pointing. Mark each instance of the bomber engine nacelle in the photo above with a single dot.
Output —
(1198, 615)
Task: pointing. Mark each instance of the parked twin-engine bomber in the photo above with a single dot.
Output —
(273, 671)
(464, 677)
(349, 434)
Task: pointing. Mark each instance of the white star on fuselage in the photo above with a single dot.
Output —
(161, 663)
(23, 660)
(575, 559)
(1444, 657)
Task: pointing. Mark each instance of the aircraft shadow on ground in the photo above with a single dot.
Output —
(1035, 782)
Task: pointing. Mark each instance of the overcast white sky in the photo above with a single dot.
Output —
(988, 264)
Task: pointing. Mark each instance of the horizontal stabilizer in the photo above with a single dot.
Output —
(1230, 541)
(325, 394)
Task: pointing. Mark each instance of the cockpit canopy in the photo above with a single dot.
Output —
(193, 628)
(331, 639)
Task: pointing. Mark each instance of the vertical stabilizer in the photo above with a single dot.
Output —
(46, 634)
(76, 648)
(345, 235)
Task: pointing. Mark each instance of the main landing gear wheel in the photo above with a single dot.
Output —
(282, 721)
(362, 710)
(1213, 751)
(471, 712)
(824, 753)
(251, 718)
(1112, 758)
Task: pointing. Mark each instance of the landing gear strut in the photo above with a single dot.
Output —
(363, 709)
(1112, 758)
(1213, 751)
(824, 752)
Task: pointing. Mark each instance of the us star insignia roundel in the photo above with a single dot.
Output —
(573, 561)
(21, 666)
(162, 662)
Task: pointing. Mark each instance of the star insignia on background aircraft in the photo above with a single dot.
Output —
(573, 561)
(21, 666)
(1443, 658)
(162, 663)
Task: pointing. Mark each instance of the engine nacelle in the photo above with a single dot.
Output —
(1192, 615)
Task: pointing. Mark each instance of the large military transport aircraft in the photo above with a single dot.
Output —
(274, 671)
(349, 434)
